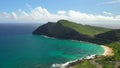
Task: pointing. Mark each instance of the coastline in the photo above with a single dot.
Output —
(108, 51)
(69, 64)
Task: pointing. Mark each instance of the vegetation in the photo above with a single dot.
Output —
(85, 64)
(110, 61)
(116, 48)
(57, 30)
(113, 35)
(64, 29)
(84, 29)
(107, 61)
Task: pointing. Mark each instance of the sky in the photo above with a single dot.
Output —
(95, 12)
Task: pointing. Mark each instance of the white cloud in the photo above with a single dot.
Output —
(23, 13)
(62, 12)
(5, 14)
(40, 14)
(111, 2)
(14, 15)
(118, 17)
(107, 13)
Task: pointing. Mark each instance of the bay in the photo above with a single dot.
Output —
(25, 50)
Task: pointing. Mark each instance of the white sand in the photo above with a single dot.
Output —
(108, 51)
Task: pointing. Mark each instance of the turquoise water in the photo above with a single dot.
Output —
(31, 51)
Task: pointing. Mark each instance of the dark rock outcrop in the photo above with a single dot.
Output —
(113, 35)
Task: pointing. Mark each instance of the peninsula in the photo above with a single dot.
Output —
(64, 29)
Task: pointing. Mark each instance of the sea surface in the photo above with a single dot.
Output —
(20, 49)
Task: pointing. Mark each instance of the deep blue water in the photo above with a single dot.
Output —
(20, 49)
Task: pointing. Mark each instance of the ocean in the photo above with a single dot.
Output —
(20, 49)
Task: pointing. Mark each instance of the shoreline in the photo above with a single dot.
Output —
(69, 64)
(108, 51)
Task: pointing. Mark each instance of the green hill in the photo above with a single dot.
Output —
(64, 29)
(57, 30)
(84, 29)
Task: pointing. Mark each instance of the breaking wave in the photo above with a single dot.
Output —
(67, 64)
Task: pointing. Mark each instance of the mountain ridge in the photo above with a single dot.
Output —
(64, 29)
(58, 31)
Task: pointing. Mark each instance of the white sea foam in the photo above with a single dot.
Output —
(62, 65)
(69, 62)
(90, 57)
(45, 36)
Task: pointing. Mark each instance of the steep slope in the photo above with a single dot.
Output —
(84, 29)
(64, 29)
(57, 30)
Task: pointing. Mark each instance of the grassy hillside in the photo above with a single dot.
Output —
(84, 29)
(85, 64)
(64, 29)
(57, 30)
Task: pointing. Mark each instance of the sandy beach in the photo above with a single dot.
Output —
(108, 51)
